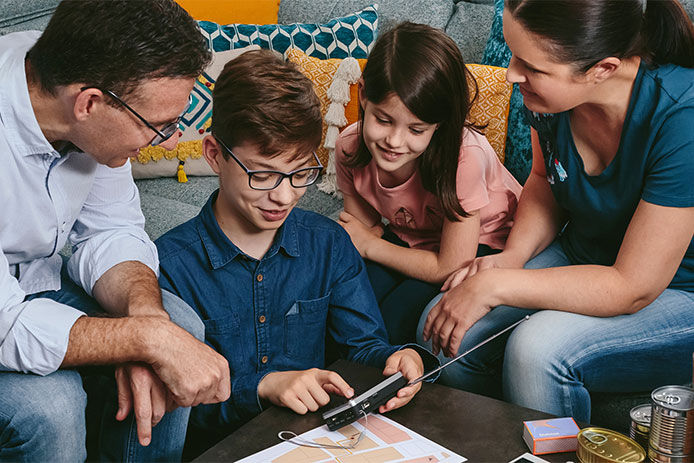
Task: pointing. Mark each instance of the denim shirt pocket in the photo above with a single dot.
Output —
(224, 335)
(304, 329)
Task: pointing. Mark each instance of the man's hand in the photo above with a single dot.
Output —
(140, 390)
(302, 390)
(360, 233)
(409, 363)
(458, 309)
(192, 371)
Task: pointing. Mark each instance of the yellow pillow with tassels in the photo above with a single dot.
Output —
(233, 11)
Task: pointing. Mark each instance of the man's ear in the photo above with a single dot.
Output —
(213, 153)
(85, 102)
(604, 69)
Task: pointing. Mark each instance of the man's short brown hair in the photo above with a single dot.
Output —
(260, 98)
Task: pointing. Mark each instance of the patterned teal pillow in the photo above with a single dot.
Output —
(351, 35)
(518, 151)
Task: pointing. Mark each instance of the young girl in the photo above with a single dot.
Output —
(609, 88)
(415, 160)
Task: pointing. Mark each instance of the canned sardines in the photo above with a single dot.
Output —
(672, 425)
(600, 445)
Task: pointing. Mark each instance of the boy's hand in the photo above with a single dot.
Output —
(302, 390)
(409, 363)
(360, 233)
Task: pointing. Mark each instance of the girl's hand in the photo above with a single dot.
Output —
(457, 311)
(360, 233)
(501, 260)
(409, 363)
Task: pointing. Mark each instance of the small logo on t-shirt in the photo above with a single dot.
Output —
(404, 219)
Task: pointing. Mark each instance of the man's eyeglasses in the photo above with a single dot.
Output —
(162, 134)
(270, 179)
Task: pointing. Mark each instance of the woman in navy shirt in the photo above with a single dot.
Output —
(604, 225)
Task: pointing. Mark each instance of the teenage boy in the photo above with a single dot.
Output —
(268, 280)
(104, 79)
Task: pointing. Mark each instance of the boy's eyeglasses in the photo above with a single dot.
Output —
(270, 179)
(161, 135)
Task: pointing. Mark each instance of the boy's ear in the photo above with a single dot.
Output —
(604, 68)
(212, 153)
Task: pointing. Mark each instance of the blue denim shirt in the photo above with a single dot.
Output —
(273, 314)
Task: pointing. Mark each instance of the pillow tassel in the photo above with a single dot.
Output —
(180, 173)
(347, 73)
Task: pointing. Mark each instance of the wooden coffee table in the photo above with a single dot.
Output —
(476, 427)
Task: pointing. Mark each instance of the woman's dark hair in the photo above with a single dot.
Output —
(262, 99)
(115, 44)
(583, 32)
(424, 68)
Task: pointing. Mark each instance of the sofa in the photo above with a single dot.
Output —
(167, 203)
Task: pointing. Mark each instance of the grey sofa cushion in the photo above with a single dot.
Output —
(465, 25)
(20, 15)
(435, 13)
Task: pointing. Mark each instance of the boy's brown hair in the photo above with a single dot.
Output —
(261, 99)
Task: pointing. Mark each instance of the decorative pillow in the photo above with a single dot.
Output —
(492, 104)
(518, 150)
(321, 73)
(238, 11)
(351, 35)
(155, 161)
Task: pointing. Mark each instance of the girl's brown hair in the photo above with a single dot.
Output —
(424, 68)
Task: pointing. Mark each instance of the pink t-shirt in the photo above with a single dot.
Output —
(414, 214)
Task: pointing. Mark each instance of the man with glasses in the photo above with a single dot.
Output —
(105, 79)
(269, 280)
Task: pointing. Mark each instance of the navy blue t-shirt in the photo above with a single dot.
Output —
(654, 162)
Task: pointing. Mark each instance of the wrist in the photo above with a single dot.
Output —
(155, 333)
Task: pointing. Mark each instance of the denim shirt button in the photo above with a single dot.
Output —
(264, 359)
(261, 319)
(259, 277)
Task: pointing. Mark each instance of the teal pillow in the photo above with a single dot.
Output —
(519, 155)
(351, 35)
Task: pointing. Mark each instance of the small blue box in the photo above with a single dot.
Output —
(551, 436)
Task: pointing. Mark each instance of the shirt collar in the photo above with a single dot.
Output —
(16, 112)
(221, 250)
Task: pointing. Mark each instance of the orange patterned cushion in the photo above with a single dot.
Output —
(233, 11)
(321, 72)
(492, 104)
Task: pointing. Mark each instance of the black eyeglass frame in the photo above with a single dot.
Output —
(161, 135)
(282, 175)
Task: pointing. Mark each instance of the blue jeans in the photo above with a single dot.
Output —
(401, 298)
(50, 418)
(554, 359)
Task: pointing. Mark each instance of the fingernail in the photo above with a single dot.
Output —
(350, 393)
(146, 441)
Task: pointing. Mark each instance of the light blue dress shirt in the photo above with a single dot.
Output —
(47, 199)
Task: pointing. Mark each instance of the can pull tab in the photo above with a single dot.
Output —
(595, 437)
(672, 399)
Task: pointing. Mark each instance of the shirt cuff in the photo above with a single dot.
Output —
(244, 389)
(93, 259)
(38, 339)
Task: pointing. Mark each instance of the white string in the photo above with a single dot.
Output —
(296, 440)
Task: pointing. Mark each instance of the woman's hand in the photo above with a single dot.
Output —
(457, 311)
(409, 363)
(360, 233)
(501, 260)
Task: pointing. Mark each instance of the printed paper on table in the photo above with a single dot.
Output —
(384, 441)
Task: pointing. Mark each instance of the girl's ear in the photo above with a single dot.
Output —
(362, 97)
(213, 153)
